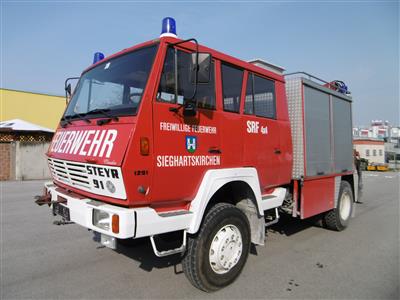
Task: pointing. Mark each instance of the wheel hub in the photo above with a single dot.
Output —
(226, 249)
(345, 206)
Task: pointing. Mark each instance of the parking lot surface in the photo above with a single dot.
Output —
(40, 260)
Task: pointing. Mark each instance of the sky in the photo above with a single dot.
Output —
(44, 42)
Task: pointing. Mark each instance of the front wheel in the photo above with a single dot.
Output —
(339, 217)
(217, 255)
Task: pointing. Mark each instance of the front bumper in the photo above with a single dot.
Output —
(133, 222)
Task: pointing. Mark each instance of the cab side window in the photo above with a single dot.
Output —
(231, 87)
(260, 97)
(177, 66)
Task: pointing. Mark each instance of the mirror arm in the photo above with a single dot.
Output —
(185, 41)
(66, 87)
(196, 66)
(176, 74)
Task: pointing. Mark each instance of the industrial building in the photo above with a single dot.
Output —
(378, 130)
(372, 137)
(39, 109)
(27, 123)
(371, 149)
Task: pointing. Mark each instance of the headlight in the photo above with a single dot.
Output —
(101, 219)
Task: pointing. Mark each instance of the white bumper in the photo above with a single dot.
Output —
(133, 222)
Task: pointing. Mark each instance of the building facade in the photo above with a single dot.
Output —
(371, 149)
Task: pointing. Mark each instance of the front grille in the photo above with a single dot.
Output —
(97, 179)
(71, 173)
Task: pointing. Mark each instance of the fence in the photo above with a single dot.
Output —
(23, 160)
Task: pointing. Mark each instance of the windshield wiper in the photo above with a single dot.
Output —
(64, 121)
(80, 116)
(102, 111)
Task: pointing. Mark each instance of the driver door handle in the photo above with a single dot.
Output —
(214, 150)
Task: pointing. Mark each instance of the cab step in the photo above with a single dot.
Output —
(272, 219)
(180, 249)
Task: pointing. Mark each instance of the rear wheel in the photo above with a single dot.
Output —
(339, 217)
(217, 255)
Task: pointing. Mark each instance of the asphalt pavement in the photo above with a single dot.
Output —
(40, 260)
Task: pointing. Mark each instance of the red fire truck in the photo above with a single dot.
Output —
(173, 137)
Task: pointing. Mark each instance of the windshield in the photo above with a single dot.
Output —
(116, 86)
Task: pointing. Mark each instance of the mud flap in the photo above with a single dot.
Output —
(257, 223)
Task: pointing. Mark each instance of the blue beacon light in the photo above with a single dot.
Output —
(98, 56)
(168, 27)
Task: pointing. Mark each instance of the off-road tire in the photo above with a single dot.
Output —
(333, 219)
(196, 263)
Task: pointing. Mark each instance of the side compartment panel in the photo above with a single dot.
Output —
(318, 137)
(342, 136)
(317, 196)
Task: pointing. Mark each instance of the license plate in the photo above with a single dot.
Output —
(61, 210)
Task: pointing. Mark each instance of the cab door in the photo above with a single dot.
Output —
(232, 95)
(184, 147)
(262, 147)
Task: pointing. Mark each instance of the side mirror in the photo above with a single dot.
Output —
(68, 88)
(203, 68)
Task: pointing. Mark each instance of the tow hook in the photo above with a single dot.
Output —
(44, 199)
(62, 222)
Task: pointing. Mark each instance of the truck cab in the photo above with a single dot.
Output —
(125, 124)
